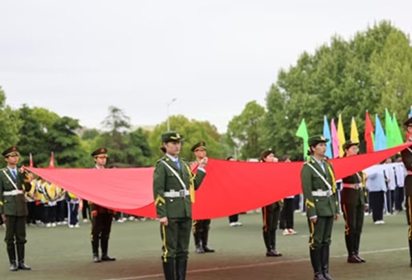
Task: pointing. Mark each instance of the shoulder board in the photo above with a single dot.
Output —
(163, 158)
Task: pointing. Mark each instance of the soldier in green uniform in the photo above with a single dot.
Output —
(201, 227)
(354, 199)
(173, 189)
(319, 190)
(101, 217)
(13, 207)
(407, 161)
(270, 215)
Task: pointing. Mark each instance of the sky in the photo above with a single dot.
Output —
(79, 57)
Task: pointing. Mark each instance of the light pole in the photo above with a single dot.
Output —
(168, 105)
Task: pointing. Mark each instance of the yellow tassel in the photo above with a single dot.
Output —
(192, 184)
(333, 179)
(192, 193)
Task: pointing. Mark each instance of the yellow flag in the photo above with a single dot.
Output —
(354, 135)
(341, 136)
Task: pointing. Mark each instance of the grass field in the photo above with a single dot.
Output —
(63, 253)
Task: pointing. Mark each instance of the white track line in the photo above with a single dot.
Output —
(253, 265)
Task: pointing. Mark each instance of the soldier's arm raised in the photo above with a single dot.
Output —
(201, 173)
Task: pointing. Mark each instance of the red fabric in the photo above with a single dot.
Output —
(369, 134)
(229, 187)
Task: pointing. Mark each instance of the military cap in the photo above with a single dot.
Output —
(171, 136)
(266, 153)
(408, 122)
(349, 144)
(314, 140)
(10, 151)
(200, 145)
(98, 152)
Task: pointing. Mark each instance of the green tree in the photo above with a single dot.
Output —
(90, 134)
(125, 148)
(138, 152)
(10, 124)
(246, 130)
(64, 141)
(391, 73)
(342, 77)
(34, 137)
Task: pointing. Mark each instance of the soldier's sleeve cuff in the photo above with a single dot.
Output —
(313, 217)
(201, 169)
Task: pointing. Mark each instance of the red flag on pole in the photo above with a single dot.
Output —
(369, 134)
(51, 160)
(31, 161)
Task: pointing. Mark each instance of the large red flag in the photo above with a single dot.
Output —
(229, 187)
(369, 134)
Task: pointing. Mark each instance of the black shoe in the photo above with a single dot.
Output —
(96, 259)
(23, 266)
(353, 259)
(13, 266)
(327, 276)
(106, 258)
(319, 276)
(208, 249)
(273, 253)
(360, 258)
(200, 250)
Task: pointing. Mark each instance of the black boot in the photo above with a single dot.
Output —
(11, 251)
(13, 266)
(105, 247)
(348, 242)
(273, 252)
(199, 247)
(267, 243)
(316, 264)
(325, 262)
(95, 249)
(410, 249)
(205, 237)
(20, 256)
(169, 270)
(356, 248)
(181, 268)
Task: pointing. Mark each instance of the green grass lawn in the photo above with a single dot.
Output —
(63, 253)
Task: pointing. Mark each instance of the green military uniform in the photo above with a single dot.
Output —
(407, 161)
(354, 198)
(201, 227)
(321, 203)
(174, 201)
(13, 185)
(101, 219)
